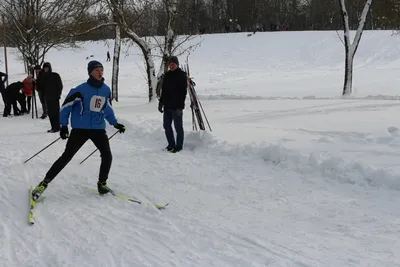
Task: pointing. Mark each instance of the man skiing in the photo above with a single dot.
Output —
(88, 104)
(172, 104)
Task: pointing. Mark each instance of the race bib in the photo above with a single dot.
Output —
(97, 103)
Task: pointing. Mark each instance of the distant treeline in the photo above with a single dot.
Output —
(219, 16)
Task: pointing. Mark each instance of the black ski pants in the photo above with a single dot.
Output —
(76, 140)
(53, 109)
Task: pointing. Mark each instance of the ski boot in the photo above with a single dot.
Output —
(38, 191)
(169, 148)
(103, 188)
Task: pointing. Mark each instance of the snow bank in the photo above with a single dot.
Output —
(309, 97)
(331, 168)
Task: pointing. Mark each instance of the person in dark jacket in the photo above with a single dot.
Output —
(12, 94)
(3, 79)
(50, 84)
(88, 106)
(172, 104)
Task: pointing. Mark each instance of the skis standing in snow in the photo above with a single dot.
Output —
(88, 104)
(172, 104)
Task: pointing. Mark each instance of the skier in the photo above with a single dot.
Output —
(50, 85)
(89, 105)
(2, 86)
(172, 104)
(12, 93)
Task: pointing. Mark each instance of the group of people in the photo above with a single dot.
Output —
(88, 105)
(48, 85)
(16, 92)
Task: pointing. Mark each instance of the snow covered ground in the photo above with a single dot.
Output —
(291, 175)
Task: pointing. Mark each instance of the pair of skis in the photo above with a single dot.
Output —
(195, 105)
(32, 204)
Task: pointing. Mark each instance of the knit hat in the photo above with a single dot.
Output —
(92, 65)
(173, 59)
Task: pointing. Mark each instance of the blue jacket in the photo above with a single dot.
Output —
(88, 106)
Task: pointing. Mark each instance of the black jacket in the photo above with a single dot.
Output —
(13, 91)
(174, 89)
(49, 83)
(2, 87)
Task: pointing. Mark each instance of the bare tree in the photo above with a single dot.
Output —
(138, 8)
(351, 48)
(115, 70)
(172, 45)
(116, 56)
(36, 26)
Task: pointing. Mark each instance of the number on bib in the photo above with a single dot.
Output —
(97, 103)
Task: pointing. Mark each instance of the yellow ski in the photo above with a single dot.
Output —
(32, 205)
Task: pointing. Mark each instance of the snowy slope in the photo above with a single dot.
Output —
(292, 175)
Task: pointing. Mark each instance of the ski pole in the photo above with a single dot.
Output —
(97, 149)
(33, 102)
(42, 150)
(205, 115)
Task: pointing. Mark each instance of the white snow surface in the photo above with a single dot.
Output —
(291, 175)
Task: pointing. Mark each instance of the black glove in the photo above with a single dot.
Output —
(120, 127)
(64, 133)
(160, 107)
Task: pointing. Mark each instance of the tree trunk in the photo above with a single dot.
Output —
(119, 18)
(351, 48)
(348, 75)
(117, 52)
(169, 39)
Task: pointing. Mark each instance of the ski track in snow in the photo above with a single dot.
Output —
(103, 231)
(317, 187)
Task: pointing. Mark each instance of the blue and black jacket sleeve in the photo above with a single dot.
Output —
(74, 97)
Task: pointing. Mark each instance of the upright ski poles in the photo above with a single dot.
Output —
(42, 150)
(34, 103)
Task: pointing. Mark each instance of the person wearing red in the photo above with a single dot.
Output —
(28, 82)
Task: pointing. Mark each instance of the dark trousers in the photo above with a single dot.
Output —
(53, 109)
(43, 103)
(175, 116)
(22, 102)
(3, 95)
(76, 140)
(29, 102)
(7, 108)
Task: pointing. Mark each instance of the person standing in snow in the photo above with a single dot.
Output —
(108, 56)
(172, 104)
(3, 79)
(28, 82)
(50, 85)
(88, 104)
